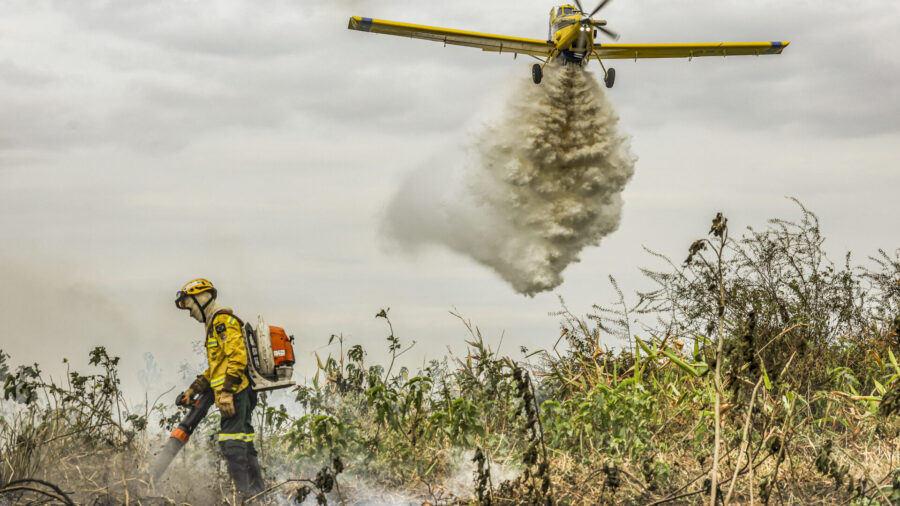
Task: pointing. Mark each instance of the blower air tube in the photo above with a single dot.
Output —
(165, 457)
(182, 433)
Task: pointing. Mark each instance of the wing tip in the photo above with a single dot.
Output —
(777, 46)
(360, 23)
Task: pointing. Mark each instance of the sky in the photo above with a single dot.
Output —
(258, 144)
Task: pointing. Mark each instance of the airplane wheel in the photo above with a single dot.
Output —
(610, 78)
(537, 73)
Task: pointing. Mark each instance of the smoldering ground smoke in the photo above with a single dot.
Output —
(543, 182)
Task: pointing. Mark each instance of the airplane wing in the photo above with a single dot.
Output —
(485, 41)
(606, 51)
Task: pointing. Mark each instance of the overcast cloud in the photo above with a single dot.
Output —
(143, 144)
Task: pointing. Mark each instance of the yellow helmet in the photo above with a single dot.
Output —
(192, 289)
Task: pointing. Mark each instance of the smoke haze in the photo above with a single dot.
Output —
(541, 184)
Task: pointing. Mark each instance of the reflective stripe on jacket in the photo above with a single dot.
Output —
(225, 352)
(240, 436)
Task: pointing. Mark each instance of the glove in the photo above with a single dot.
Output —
(184, 398)
(225, 403)
(197, 387)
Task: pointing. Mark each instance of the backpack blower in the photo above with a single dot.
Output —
(270, 365)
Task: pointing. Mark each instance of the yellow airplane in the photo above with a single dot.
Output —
(571, 40)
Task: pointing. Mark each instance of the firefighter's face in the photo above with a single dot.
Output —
(196, 312)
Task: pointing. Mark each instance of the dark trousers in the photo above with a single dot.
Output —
(236, 437)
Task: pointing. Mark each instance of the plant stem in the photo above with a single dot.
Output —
(745, 441)
(718, 380)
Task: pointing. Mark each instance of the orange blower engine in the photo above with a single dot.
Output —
(270, 351)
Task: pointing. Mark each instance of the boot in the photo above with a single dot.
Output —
(257, 484)
(236, 460)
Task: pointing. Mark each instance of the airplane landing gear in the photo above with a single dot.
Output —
(537, 73)
(609, 74)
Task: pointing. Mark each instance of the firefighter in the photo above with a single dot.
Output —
(227, 376)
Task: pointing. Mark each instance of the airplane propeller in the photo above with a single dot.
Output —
(597, 24)
(607, 31)
(602, 5)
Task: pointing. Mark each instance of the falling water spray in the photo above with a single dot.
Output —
(544, 182)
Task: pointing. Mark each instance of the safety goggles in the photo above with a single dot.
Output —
(180, 296)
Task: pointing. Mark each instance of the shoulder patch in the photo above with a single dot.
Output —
(220, 328)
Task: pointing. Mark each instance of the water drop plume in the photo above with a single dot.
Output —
(543, 182)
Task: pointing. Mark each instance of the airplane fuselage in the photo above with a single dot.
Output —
(572, 32)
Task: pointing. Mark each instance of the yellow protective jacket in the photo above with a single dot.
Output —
(226, 353)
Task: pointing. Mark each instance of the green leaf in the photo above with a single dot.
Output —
(681, 363)
(698, 337)
(643, 346)
(625, 383)
(766, 377)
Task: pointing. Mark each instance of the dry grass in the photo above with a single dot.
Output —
(768, 370)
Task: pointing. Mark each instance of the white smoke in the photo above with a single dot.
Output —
(543, 183)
